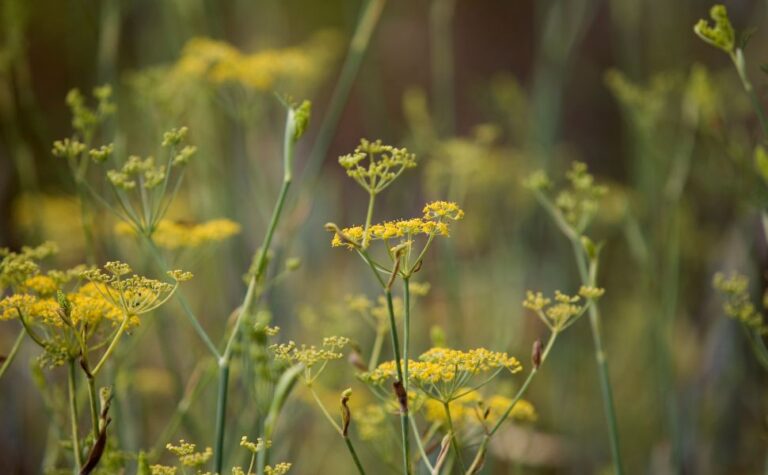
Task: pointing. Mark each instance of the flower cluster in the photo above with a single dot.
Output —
(134, 295)
(435, 222)
(374, 166)
(442, 372)
(311, 355)
(738, 303)
(564, 310)
(174, 235)
(721, 35)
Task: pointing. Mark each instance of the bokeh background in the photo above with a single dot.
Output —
(484, 92)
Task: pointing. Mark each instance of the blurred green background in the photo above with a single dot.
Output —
(484, 92)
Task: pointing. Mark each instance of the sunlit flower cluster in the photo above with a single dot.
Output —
(187, 455)
(437, 216)
(174, 235)
(17, 267)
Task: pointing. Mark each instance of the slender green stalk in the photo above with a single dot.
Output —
(588, 277)
(72, 393)
(93, 400)
(420, 444)
(258, 272)
(398, 366)
(406, 327)
(183, 301)
(12, 355)
(741, 68)
(352, 452)
(368, 217)
(112, 345)
(221, 415)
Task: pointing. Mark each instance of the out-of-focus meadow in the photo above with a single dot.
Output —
(484, 93)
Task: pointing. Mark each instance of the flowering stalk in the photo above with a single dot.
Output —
(572, 221)
(295, 124)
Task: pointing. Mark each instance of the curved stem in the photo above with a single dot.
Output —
(12, 355)
(112, 345)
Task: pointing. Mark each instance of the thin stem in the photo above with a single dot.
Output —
(352, 452)
(454, 439)
(221, 413)
(183, 301)
(93, 400)
(368, 217)
(259, 270)
(420, 444)
(325, 411)
(741, 69)
(112, 345)
(12, 355)
(73, 416)
(588, 277)
(406, 328)
(403, 410)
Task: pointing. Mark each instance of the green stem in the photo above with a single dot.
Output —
(260, 268)
(368, 217)
(183, 301)
(398, 366)
(221, 413)
(93, 400)
(741, 69)
(354, 456)
(588, 277)
(112, 345)
(325, 411)
(420, 444)
(406, 328)
(73, 416)
(454, 439)
(12, 355)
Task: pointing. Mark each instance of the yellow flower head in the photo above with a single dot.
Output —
(441, 372)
